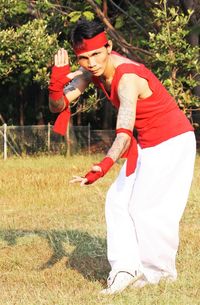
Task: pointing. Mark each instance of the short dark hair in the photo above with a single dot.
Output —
(85, 30)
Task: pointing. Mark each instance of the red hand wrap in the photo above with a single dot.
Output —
(105, 165)
(93, 176)
(132, 152)
(57, 81)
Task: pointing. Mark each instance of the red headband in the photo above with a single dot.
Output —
(93, 43)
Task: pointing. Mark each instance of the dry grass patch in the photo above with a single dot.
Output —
(52, 238)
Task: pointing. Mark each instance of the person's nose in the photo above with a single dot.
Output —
(91, 62)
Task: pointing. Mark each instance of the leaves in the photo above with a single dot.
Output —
(32, 31)
(119, 22)
(24, 51)
(88, 15)
(74, 16)
(175, 61)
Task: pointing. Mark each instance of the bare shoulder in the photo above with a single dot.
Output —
(130, 82)
(119, 59)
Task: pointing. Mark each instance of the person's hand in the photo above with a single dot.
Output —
(82, 180)
(61, 58)
(79, 179)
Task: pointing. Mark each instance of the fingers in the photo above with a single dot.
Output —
(61, 58)
(76, 179)
(84, 181)
(79, 179)
(96, 168)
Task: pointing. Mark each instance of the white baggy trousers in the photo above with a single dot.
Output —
(143, 210)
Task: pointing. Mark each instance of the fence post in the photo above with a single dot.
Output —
(49, 137)
(5, 141)
(68, 140)
(89, 139)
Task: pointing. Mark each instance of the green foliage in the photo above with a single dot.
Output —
(175, 61)
(119, 22)
(12, 11)
(26, 52)
(98, 2)
(76, 15)
(132, 18)
(32, 31)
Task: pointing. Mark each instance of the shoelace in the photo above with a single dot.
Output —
(112, 276)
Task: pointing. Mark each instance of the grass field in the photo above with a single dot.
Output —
(52, 238)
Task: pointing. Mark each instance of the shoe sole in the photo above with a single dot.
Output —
(134, 280)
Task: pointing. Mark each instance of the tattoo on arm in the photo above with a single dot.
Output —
(126, 113)
(125, 118)
(80, 82)
(56, 106)
(119, 146)
(71, 86)
(78, 85)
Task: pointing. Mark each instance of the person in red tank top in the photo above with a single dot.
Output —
(145, 203)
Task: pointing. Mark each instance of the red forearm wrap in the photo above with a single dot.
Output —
(124, 130)
(62, 121)
(57, 81)
(105, 165)
(132, 152)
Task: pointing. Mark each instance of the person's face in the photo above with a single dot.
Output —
(95, 61)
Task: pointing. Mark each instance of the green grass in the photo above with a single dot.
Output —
(52, 238)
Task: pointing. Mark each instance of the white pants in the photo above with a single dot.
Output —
(143, 210)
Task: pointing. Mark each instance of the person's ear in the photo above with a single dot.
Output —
(109, 46)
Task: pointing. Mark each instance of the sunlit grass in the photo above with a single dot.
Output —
(52, 238)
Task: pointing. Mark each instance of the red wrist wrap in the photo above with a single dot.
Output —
(105, 165)
(132, 152)
(61, 123)
(57, 81)
(93, 176)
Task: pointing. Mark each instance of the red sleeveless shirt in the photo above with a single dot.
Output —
(158, 117)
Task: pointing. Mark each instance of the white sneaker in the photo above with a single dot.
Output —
(140, 283)
(120, 280)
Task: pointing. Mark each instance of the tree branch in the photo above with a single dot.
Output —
(105, 8)
(130, 17)
(120, 41)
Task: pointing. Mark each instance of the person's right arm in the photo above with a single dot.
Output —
(65, 86)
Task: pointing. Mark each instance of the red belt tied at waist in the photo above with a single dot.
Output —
(131, 153)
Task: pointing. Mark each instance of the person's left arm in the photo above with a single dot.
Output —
(128, 92)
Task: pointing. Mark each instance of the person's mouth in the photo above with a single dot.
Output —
(94, 71)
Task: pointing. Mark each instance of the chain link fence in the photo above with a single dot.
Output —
(40, 139)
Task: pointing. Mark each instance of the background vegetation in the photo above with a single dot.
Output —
(163, 34)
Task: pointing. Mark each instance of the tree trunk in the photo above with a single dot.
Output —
(21, 108)
(107, 117)
(39, 104)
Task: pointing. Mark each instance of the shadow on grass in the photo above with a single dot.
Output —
(87, 257)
